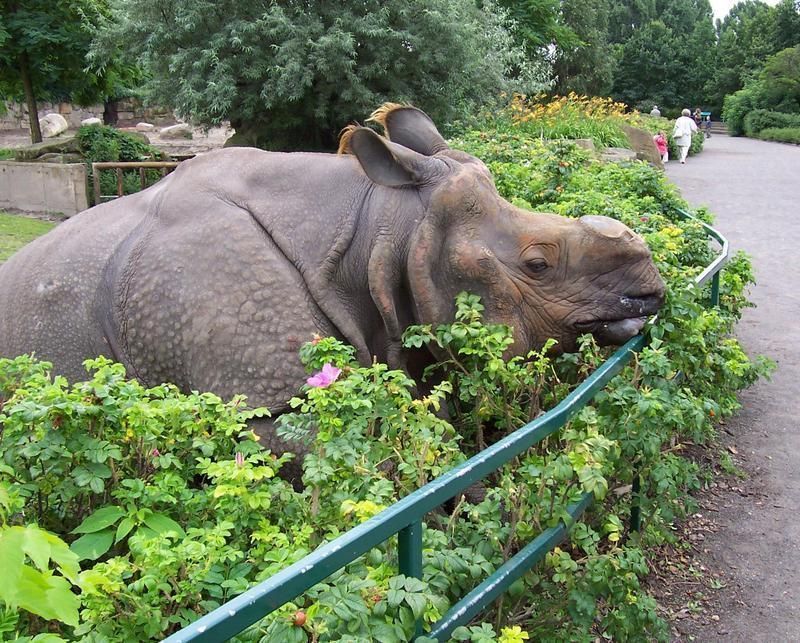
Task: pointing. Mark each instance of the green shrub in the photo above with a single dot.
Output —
(736, 107)
(761, 119)
(102, 144)
(781, 134)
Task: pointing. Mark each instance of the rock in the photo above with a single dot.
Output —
(52, 125)
(145, 127)
(138, 135)
(181, 130)
(92, 121)
(617, 155)
(57, 146)
(642, 143)
(586, 144)
(52, 157)
(239, 140)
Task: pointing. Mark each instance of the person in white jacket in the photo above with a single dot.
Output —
(682, 133)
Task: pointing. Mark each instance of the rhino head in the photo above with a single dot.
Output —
(544, 275)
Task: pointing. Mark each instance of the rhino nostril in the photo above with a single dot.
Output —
(642, 304)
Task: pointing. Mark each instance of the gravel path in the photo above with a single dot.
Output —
(753, 188)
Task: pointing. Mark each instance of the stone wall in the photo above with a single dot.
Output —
(16, 116)
(44, 187)
(128, 110)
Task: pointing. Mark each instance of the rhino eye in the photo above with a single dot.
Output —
(536, 265)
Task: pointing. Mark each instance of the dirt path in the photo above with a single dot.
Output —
(753, 188)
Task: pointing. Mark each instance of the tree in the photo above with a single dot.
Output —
(742, 38)
(780, 81)
(668, 55)
(627, 16)
(787, 24)
(537, 24)
(43, 46)
(586, 64)
(290, 74)
(647, 70)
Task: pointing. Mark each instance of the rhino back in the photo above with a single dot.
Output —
(230, 272)
(213, 277)
(47, 289)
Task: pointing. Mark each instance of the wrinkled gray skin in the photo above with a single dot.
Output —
(214, 277)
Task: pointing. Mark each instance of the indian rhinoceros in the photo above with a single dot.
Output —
(213, 277)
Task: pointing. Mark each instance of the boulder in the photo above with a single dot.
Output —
(641, 142)
(52, 125)
(145, 127)
(139, 136)
(52, 157)
(181, 130)
(586, 144)
(57, 146)
(617, 155)
(92, 121)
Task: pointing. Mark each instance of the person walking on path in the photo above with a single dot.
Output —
(682, 133)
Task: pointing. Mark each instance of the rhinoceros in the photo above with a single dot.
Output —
(213, 277)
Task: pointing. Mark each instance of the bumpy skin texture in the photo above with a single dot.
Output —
(214, 277)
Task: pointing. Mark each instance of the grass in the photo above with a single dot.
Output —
(16, 231)
(6, 154)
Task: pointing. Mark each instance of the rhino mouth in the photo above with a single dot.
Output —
(618, 330)
(614, 332)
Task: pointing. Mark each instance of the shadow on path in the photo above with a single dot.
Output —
(753, 189)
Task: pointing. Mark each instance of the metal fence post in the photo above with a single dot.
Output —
(636, 501)
(409, 554)
(715, 289)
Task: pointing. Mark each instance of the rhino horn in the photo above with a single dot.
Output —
(409, 127)
(390, 164)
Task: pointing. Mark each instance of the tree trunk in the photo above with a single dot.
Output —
(30, 98)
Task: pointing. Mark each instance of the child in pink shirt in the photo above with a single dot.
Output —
(661, 144)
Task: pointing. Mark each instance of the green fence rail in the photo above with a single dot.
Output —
(405, 517)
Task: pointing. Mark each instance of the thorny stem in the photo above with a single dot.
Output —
(512, 539)
(451, 523)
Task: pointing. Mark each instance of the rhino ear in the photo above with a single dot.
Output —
(409, 127)
(390, 164)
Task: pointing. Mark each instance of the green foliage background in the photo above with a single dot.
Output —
(289, 75)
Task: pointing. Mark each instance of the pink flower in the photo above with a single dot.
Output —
(325, 377)
(155, 453)
(239, 459)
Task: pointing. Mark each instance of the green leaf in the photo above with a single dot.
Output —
(124, 528)
(48, 596)
(12, 558)
(161, 524)
(42, 547)
(92, 546)
(395, 596)
(417, 604)
(99, 520)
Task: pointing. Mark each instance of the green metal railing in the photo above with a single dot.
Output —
(404, 518)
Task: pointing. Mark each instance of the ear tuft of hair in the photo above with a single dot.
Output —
(344, 138)
(380, 115)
